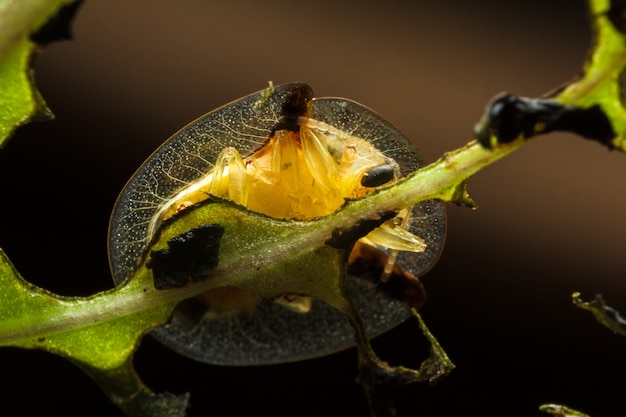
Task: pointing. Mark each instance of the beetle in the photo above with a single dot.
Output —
(286, 154)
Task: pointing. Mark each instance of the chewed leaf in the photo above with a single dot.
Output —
(103, 345)
(20, 100)
(561, 411)
(20, 300)
(20, 31)
(607, 316)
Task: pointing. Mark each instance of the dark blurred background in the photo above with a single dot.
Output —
(550, 218)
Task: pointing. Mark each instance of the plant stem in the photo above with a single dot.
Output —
(439, 180)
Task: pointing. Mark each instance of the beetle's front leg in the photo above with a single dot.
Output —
(230, 179)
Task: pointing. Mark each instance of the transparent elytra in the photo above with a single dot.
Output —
(286, 154)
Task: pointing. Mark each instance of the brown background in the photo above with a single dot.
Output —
(549, 221)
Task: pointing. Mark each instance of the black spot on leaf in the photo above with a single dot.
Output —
(509, 117)
(190, 257)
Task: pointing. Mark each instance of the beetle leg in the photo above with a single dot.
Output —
(230, 179)
(394, 236)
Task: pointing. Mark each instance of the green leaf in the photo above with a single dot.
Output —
(89, 332)
(607, 316)
(266, 256)
(561, 411)
(600, 82)
(590, 106)
(379, 379)
(19, 99)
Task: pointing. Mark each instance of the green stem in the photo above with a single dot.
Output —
(439, 180)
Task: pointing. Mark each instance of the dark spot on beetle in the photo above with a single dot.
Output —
(57, 27)
(190, 257)
(378, 175)
(295, 105)
(41, 339)
(345, 239)
(509, 117)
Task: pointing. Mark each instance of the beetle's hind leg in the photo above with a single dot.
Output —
(393, 237)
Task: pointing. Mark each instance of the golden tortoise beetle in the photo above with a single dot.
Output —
(286, 154)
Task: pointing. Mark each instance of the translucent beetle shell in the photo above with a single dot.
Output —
(286, 154)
